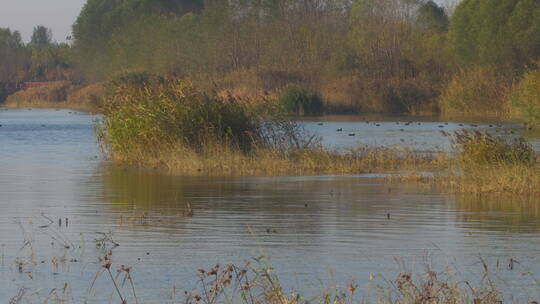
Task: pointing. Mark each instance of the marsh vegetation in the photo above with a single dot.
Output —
(168, 123)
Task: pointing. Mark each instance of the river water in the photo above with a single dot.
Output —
(314, 231)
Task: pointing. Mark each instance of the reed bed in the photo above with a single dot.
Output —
(218, 161)
(166, 123)
(494, 165)
(485, 164)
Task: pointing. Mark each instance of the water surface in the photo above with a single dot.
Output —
(313, 229)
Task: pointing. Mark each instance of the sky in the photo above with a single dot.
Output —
(23, 15)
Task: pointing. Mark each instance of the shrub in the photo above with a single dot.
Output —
(476, 90)
(526, 98)
(482, 149)
(299, 101)
(493, 165)
(151, 113)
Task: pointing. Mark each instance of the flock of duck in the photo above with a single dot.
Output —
(441, 126)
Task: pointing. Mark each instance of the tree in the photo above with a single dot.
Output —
(432, 17)
(14, 57)
(501, 32)
(41, 36)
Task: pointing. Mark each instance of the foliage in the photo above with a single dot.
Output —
(42, 36)
(526, 98)
(432, 17)
(165, 122)
(13, 56)
(39, 60)
(476, 90)
(496, 32)
(300, 101)
(392, 56)
(151, 113)
(488, 164)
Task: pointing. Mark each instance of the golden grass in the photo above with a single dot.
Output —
(55, 92)
(59, 95)
(512, 179)
(167, 123)
(224, 161)
(90, 97)
(484, 164)
(518, 179)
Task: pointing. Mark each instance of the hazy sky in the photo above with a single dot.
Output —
(23, 15)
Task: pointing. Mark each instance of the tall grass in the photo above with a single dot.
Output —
(168, 123)
(152, 114)
(483, 149)
(487, 164)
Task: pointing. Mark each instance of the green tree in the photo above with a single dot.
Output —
(501, 32)
(432, 17)
(14, 57)
(41, 36)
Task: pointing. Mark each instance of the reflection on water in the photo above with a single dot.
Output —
(312, 228)
(501, 213)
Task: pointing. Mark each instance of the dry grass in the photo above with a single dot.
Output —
(518, 179)
(259, 284)
(485, 164)
(59, 95)
(167, 123)
(90, 98)
(490, 164)
(56, 92)
(223, 161)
